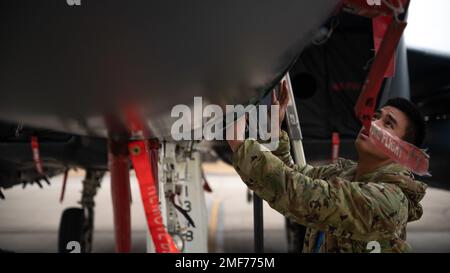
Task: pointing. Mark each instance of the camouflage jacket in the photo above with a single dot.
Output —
(326, 199)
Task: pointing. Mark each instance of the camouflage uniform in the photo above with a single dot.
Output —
(326, 199)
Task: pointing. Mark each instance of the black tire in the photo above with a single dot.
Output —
(71, 229)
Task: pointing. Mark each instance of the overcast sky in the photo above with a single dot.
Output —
(429, 25)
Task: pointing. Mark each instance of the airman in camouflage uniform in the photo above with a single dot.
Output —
(346, 206)
(377, 207)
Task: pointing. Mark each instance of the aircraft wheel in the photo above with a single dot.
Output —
(71, 231)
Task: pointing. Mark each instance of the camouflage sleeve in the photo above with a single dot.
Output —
(354, 210)
(283, 152)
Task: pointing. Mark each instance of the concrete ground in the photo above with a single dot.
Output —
(29, 218)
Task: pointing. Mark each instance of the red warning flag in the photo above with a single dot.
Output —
(36, 155)
(400, 151)
(142, 166)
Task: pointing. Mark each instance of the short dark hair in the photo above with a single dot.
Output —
(415, 131)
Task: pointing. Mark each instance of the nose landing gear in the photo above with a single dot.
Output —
(77, 224)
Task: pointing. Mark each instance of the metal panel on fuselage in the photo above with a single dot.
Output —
(63, 67)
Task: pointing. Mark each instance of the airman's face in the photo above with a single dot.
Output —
(388, 118)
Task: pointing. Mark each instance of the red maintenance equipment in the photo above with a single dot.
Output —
(144, 156)
(389, 22)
